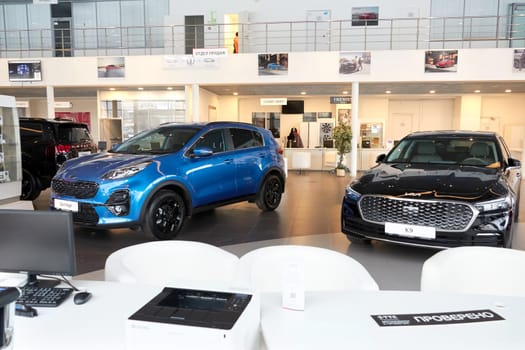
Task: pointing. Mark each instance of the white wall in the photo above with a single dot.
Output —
(274, 10)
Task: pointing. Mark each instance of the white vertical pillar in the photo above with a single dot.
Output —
(355, 128)
(188, 117)
(50, 93)
(195, 103)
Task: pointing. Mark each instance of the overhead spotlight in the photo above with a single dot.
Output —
(140, 88)
(432, 92)
(477, 91)
(169, 88)
(388, 92)
(345, 92)
(303, 92)
(112, 89)
(235, 94)
(508, 90)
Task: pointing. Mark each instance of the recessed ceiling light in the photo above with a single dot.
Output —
(140, 88)
(112, 89)
(345, 92)
(388, 92)
(432, 92)
(169, 88)
(303, 92)
(235, 93)
(477, 91)
(508, 90)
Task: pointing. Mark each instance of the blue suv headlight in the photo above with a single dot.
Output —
(126, 171)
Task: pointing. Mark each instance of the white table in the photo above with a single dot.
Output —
(98, 324)
(341, 320)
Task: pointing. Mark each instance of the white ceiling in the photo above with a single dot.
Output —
(285, 90)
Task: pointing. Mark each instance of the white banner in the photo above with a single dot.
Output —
(280, 101)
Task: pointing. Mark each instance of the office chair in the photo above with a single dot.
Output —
(262, 269)
(475, 270)
(181, 263)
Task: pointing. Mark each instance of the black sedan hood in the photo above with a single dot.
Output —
(468, 183)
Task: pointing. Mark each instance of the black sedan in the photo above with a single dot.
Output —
(438, 189)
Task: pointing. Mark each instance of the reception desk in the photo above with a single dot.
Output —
(326, 158)
(331, 320)
(343, 320)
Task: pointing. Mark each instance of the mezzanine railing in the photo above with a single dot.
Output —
(335, 35)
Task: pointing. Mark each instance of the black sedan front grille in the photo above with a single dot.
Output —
(77, 189)
(443, 215)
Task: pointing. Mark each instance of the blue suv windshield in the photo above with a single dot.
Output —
(157, 141)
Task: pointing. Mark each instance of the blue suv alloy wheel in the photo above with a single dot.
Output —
(160, 177)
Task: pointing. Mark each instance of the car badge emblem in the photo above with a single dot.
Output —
(410, 210)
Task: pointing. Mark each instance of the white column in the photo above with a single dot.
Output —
(355, 128)
(50, 93)
(195, 103)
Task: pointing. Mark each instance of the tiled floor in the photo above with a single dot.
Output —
(309, 214)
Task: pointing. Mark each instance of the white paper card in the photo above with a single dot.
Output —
(293, 285)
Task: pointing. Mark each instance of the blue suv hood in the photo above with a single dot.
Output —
(96, 165)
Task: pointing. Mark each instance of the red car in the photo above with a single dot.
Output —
(445, 63)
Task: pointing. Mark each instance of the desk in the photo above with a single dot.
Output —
(98, 324)
(341, 320)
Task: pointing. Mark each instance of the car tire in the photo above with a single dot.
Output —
(269, 196)
(30, 186)
(165, 215)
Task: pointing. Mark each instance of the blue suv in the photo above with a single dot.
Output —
(160, 177)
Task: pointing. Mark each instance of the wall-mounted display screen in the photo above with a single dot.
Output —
(25, 70)
(293, 107)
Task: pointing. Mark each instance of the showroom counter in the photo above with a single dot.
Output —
(326, 158)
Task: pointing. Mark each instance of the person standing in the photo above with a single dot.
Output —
(236, 43)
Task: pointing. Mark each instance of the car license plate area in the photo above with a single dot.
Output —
(61, 204)
(405, 230)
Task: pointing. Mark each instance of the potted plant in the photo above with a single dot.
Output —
(342, 141)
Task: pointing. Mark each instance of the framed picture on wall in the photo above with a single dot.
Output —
(365, 16)
(111, 67)
(518, 64)
(441, 61)
(354, 62)
(324, 115)
(344, 116)
(326, 134)
(273, 63)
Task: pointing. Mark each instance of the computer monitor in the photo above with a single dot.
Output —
(37, 243)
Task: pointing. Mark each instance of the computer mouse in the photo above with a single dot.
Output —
(81, 297)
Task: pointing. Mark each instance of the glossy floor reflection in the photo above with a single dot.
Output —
(309, 214)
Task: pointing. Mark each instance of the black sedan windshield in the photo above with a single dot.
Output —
(460, 151)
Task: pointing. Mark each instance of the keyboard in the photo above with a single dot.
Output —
(47, 297)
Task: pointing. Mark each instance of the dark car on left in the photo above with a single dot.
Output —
(46, 144)
(437, 189)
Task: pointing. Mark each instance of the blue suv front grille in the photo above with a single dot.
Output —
(77, 189)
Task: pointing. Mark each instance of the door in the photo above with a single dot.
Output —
(318, 30)
(193, 33)
(400, 125)
(62, 37)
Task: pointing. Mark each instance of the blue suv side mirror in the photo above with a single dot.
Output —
(201, 151)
